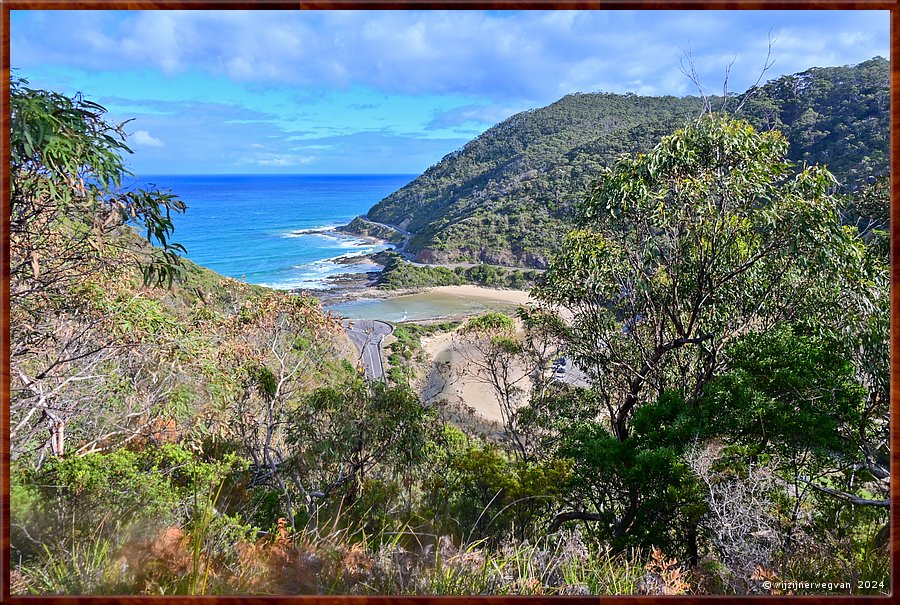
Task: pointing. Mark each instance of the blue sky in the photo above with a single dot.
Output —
(391, 91)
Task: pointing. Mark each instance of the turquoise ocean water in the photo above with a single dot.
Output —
(260, 227)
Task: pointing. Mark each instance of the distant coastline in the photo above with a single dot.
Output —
(276, 230)
(300, 233)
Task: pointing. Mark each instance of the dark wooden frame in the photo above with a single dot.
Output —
(8, 5)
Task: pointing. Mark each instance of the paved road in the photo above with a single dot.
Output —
(367, 335)
(386, 226)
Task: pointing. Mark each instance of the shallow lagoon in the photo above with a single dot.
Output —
(420, 306)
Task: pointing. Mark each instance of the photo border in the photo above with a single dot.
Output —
(10, 5)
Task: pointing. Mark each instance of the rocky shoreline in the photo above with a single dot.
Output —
(349, 287)
(346, 287)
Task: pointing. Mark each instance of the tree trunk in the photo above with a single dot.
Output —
(692, 555)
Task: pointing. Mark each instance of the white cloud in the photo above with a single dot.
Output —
(142, 138)
(284, 160)
(504, 56)
(478, 114)
(311, 147)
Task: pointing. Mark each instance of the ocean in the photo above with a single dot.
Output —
(266, 228)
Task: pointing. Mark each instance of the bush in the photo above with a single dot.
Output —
(480, 491)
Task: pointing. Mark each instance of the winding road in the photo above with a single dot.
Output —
(386, 226)
(367, 335)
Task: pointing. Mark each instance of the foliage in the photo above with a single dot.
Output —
(406, 351)
(407, 357)
(337, 435)
(682, 249)
(88, 569)
(643, 492)
(789, 392)
(400, 274)
(67, 168)
(137, 383)
(729, 309)
(493, 323)
(68, 240)
(84, 507)
(479, 492)
(831, 115)
(360, 226)
(506, 196)
(693, 279)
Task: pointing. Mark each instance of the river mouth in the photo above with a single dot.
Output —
(421, 306)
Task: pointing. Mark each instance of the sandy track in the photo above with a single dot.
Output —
(451, 381)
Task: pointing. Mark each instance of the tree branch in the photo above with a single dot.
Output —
(561, 518)
(852, 499)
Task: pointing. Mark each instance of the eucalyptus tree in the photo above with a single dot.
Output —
(678, 251)
(679, 254)
(68, 212)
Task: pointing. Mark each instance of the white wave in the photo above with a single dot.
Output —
(300, 284)
(318, 264)
(354, 254)
(317, 268)
(323, 230)
(316, 275)
(353, 243)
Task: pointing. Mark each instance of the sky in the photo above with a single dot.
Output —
(366, 92)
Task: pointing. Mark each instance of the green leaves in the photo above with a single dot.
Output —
(681, 249)
(125, 485)
(687, 278)
(65, 136)
(791, 390)
(489, 323)
(838, 115)
(643, 492)
(338, 434)
(67, 171)
(586, 267)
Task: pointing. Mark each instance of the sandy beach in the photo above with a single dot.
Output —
(449, 385)
(427, 304)
(516, 297)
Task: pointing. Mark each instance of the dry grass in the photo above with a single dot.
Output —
(341, 561)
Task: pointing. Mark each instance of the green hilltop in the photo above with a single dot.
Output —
(507, 197)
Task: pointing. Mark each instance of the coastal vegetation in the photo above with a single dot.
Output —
(177, 432)
(359, 226)
(398, 273)
(407, 359)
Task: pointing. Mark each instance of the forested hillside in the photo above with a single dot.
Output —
(834, 116)
(507, 196)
